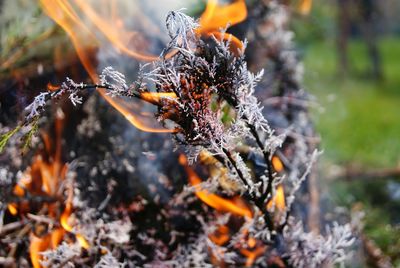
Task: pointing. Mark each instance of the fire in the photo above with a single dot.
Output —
(252, 255)
(66, 14)
(46, 177)
(278, 200)
(118, 36)
(221, 236)
(217, 17)
(216, 170)
(43, 177)
(237, 206)
(213, 200)
(52, 87)
(40, 244)
(123, 107)
(63, 13)
(66, 217)
(155, 97)
(305, 7)
(277, 164)
(12, 208)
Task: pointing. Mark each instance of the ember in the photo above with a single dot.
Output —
(101, 193)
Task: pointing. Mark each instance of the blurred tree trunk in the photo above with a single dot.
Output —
(364, 15)
(368, 10)
(343, 27)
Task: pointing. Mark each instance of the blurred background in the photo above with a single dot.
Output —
(351, 55)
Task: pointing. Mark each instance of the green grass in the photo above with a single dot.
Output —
(361, 122)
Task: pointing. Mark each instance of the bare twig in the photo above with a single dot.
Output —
(374, 253)
(12, 226)
(352, 174)
(41, 218)
(7, 262)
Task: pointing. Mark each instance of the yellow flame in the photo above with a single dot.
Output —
(12, 208)
(82, 241)
(277, 164)
(64, 221)
(40, 244)
(278, 200)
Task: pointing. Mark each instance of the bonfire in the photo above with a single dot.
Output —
(202, 159)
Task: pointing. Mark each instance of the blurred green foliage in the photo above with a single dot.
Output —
(319, 25)
(360, 125)
(375, 199)
(361, 120)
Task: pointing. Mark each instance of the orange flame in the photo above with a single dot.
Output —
(122, 106)
(40, 244)
(64, 15)
(213, 200)
(118, 36)
(62, 12)
(216, 17)
(45, 177)
(277, 164)
(305, 7)
(252, 250)
(155, 97)
(252, 255)
(278, 200)
(12, 208)
(65, 218)
(221, 236)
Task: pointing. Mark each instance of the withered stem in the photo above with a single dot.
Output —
(259, 202)
(267, 160)
(12, 226)
(233, 162)
(260, 144)
(41, 218)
